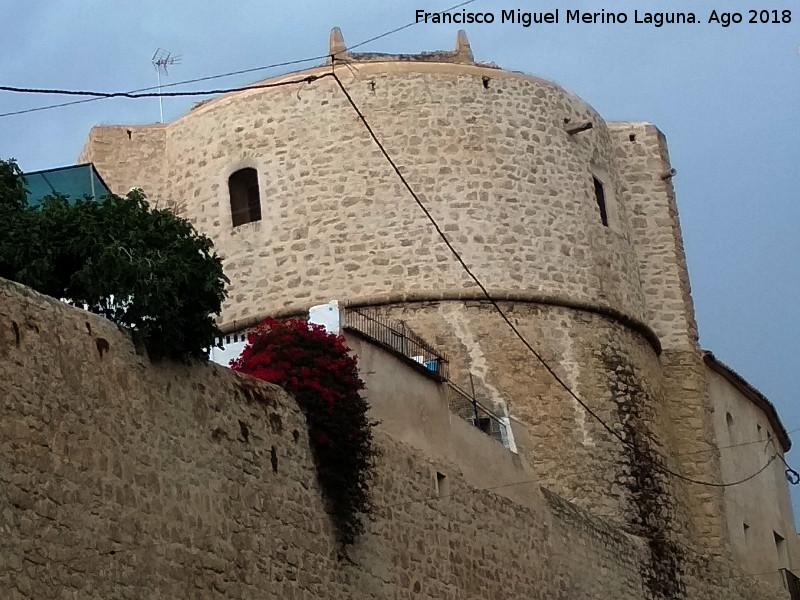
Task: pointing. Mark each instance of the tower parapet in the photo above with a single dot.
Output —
(462, 53)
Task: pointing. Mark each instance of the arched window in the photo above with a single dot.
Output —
(245, 199)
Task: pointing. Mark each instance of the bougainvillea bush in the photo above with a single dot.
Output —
(317, 369)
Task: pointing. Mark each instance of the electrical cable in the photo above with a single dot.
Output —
(135, 93)
(306, 79)
(632, 445)
(406, 26)
(750, 443)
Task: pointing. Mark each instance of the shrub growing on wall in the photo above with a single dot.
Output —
(323, 377)
(145, 269)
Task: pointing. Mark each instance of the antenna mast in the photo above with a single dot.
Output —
(161, 60)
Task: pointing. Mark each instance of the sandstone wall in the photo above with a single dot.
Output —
(490, 156)
(124, 479)
(128, 157)
(486, 149)
(642, 159)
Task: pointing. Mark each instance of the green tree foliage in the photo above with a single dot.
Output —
(145, 269)
(12, 185)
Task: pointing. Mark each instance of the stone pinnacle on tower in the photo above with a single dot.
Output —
(337, 46)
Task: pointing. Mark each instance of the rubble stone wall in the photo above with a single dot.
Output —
(121, 479)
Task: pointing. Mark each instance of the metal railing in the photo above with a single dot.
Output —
(468, 408)
(397, 337)
(791, 582)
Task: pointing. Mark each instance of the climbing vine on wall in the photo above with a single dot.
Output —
(646, 480)
(318, 370)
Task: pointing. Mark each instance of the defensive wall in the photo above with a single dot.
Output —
(125, 479)
(510, 169)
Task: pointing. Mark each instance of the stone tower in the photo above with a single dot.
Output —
(570, 223)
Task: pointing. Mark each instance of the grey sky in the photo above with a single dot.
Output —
(728, 100)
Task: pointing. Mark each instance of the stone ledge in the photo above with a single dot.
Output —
(522, 296)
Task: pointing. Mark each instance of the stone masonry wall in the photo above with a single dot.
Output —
(643, 162)
(647, 192)
(486, 149)
(128, 157)
(125, 479)
(616, 372)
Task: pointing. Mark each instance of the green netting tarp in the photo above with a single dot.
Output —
(75, 182)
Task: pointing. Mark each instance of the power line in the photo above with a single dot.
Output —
(632, 445)
(128, 94)
(100, 96)
(750, 443)
(306, 79)
(406, 26)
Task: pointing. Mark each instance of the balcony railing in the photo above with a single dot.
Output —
(398, 338)
(468, 408)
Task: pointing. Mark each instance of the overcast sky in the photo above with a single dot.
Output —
(728, 100)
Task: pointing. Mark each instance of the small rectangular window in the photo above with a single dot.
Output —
(729, 422)
(600, 196)
(780, 547)
(442, 485)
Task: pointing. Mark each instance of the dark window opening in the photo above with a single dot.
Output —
(245, 199)
(600, 196)
(632, 137)
(442, 485)
(780, 547)
(485, 425)
(729, 423)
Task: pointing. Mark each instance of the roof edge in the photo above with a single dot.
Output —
(756, 397)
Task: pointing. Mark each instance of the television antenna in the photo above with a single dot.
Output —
(161, 60)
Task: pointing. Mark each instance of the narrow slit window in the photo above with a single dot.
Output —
(442, 485)
(780, 547)
(729, 423)
(245, 197)
(600, 196)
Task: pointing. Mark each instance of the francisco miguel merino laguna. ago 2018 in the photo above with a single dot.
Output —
(655, 19)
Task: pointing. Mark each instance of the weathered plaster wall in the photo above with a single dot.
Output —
(413, 407)
(124, 479)
(746, 443)
(572, 453)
